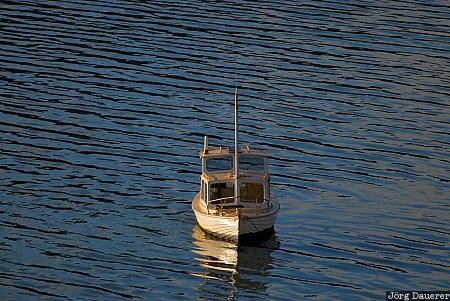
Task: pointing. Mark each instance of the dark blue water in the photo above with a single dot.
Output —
(103, 107)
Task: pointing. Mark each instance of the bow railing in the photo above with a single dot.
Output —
(229, 203)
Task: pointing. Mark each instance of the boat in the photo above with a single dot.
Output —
(235, 202)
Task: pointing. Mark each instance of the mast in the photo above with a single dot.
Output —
(236, 149)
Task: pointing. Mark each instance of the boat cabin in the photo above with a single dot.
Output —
(217, 180)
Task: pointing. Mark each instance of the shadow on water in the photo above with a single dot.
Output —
(230, 270)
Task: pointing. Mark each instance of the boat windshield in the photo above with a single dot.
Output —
(251, 163)
(221, 191)
(219, 164)
(252, 192)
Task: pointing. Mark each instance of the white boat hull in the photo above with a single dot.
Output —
(236, 226)
(256, 224)
(225, 227)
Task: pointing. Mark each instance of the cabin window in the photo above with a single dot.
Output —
(251, 163)
(252, 192)
(204, 191)
(217, 164)
(222, 190)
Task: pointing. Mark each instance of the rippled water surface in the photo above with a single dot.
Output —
(103, 106)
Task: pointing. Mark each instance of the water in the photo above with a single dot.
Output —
(103, 107)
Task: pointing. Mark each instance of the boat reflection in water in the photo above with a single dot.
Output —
(230, 269)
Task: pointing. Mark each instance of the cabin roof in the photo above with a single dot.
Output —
(218, 151)
(229, 176)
